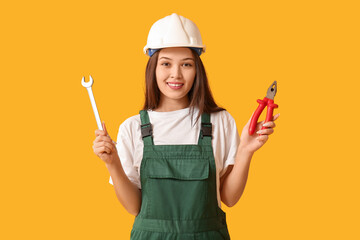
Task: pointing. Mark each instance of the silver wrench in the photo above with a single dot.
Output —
(88, 85)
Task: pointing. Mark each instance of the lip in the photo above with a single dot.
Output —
(175, 88)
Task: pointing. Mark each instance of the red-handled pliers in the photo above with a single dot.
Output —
(267, 101)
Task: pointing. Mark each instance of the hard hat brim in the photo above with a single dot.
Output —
(203, 47)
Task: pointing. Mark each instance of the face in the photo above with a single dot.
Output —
(175, 73)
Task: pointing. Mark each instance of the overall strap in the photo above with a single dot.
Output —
(205, 135)
(146, 128)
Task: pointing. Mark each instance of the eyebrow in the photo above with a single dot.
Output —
(181, 59)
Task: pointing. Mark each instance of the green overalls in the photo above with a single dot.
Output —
(179, 198)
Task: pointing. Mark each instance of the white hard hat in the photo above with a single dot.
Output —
(174, 31)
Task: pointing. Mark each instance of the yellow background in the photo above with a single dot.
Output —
(303, 183)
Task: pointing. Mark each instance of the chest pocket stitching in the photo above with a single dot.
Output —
(187, 169)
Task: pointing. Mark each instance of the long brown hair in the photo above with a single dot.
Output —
(200, 95)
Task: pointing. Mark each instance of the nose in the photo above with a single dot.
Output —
(176, 72)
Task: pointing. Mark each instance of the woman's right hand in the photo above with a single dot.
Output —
(104, 147)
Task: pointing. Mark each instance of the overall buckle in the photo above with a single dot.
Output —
(146, 130)
(206, 130)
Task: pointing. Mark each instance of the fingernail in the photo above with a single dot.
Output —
(266, 124)
(259, 132)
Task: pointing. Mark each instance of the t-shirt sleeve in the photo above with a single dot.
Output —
(232, 141)
(125, 148)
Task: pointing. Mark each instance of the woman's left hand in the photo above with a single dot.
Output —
(252, 143)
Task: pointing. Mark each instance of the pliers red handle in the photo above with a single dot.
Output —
(267, 101)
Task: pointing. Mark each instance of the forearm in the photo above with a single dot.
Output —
(234, 184)
(127, 192)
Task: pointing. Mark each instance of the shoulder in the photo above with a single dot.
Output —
(223, 117)
(131, 124)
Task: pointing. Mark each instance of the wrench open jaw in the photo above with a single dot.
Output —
(87, 84)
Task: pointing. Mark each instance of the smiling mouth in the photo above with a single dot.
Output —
(175, 86)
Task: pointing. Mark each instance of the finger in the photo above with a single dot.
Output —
(99, 132)
(108, 139)
(101, 150)
(262, 138)
(103, 147)
(103, 139)
(259, 125)
(276, 116)
(266, 131)
(269, 124)
(104, 127)
(104, 143)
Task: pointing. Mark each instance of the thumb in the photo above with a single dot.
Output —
(104, 127)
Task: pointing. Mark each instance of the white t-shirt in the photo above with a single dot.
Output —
(175, 128)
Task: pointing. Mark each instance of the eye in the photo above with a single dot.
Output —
(166, 64)
(187, 65)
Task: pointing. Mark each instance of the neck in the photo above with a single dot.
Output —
(168, 105)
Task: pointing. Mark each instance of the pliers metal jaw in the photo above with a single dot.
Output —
(267, 101)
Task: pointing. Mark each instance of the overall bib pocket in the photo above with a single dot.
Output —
(181, 182)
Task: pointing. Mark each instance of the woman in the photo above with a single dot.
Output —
(181, 156)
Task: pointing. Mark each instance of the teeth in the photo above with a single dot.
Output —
(175, 85)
